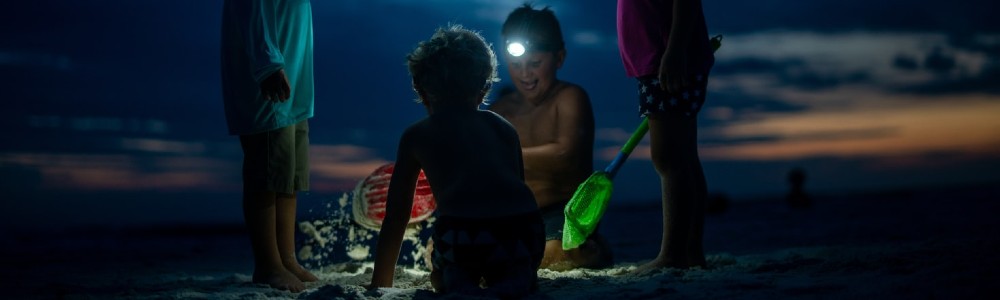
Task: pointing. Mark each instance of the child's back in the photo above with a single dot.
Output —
(472, 160)
(488, 229)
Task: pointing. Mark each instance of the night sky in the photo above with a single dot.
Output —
(113, 114)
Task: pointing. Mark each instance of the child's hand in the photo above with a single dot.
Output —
(673, 70)
(275, 87)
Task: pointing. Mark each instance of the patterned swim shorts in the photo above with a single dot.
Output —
(688, 102)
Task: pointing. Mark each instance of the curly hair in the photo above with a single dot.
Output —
(454, 66)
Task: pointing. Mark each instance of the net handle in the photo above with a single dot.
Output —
(637, 136)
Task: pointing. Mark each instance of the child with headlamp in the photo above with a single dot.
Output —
(555, 123)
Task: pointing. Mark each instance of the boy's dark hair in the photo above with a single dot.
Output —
(539, 27)
(455, 65)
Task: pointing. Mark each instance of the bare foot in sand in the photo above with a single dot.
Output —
(300, 272)
(651, 267)
(279, 279)
(659, 264)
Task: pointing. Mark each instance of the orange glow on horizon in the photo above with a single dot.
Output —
(877, 125)
(967, 124)
(122, 172)
(334, 168)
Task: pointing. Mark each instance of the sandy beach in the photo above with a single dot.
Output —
(918, 244)
(122, 178)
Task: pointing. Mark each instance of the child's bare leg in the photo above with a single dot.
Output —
(696, 252)
(593, 253)
(437, 280)
(286, 210)
(260, 214)
(555, 258)
(673, 142)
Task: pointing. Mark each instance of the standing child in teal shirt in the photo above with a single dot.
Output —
(267, 84)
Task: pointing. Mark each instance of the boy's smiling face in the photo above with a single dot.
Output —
(534, 73)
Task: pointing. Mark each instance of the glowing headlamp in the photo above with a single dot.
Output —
(517, 48)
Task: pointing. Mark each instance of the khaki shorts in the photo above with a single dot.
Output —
(277, 160)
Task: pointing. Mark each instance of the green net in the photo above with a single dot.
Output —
(585, 209)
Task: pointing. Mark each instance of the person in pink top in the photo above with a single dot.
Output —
(665, 46)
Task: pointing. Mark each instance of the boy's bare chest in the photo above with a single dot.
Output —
(535, 125)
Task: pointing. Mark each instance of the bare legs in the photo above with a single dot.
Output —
(286, 205)
(673, 142)
(270, 219)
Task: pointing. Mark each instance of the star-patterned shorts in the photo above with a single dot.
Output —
(654, 100)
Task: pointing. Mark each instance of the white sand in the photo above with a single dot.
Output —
(844, 248)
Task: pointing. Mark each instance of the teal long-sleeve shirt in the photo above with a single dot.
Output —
(260, 37)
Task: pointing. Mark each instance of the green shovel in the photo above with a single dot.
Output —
(591, 198)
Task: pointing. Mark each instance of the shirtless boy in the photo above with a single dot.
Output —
(555, 123)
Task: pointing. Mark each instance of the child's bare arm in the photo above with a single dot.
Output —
(673, 64)
(519, 152)
(399, 202)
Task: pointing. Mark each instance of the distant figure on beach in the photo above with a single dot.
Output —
(665, 46)
(717, 203)
(487, 228)
(797, 197)
(267, 85)
(555, 122)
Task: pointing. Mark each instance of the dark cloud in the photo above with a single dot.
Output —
(741, 102)
(905, 62)
(835, 15)
(972, 41)
(745, 107)
(812, 80)
(939, 62)
(987, 84)
(985, 81)
(790, 72)
(755, 65)
(825, 135)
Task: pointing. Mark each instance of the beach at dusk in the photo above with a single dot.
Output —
(121, 180)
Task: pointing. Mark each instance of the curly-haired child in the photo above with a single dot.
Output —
(487, 230)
